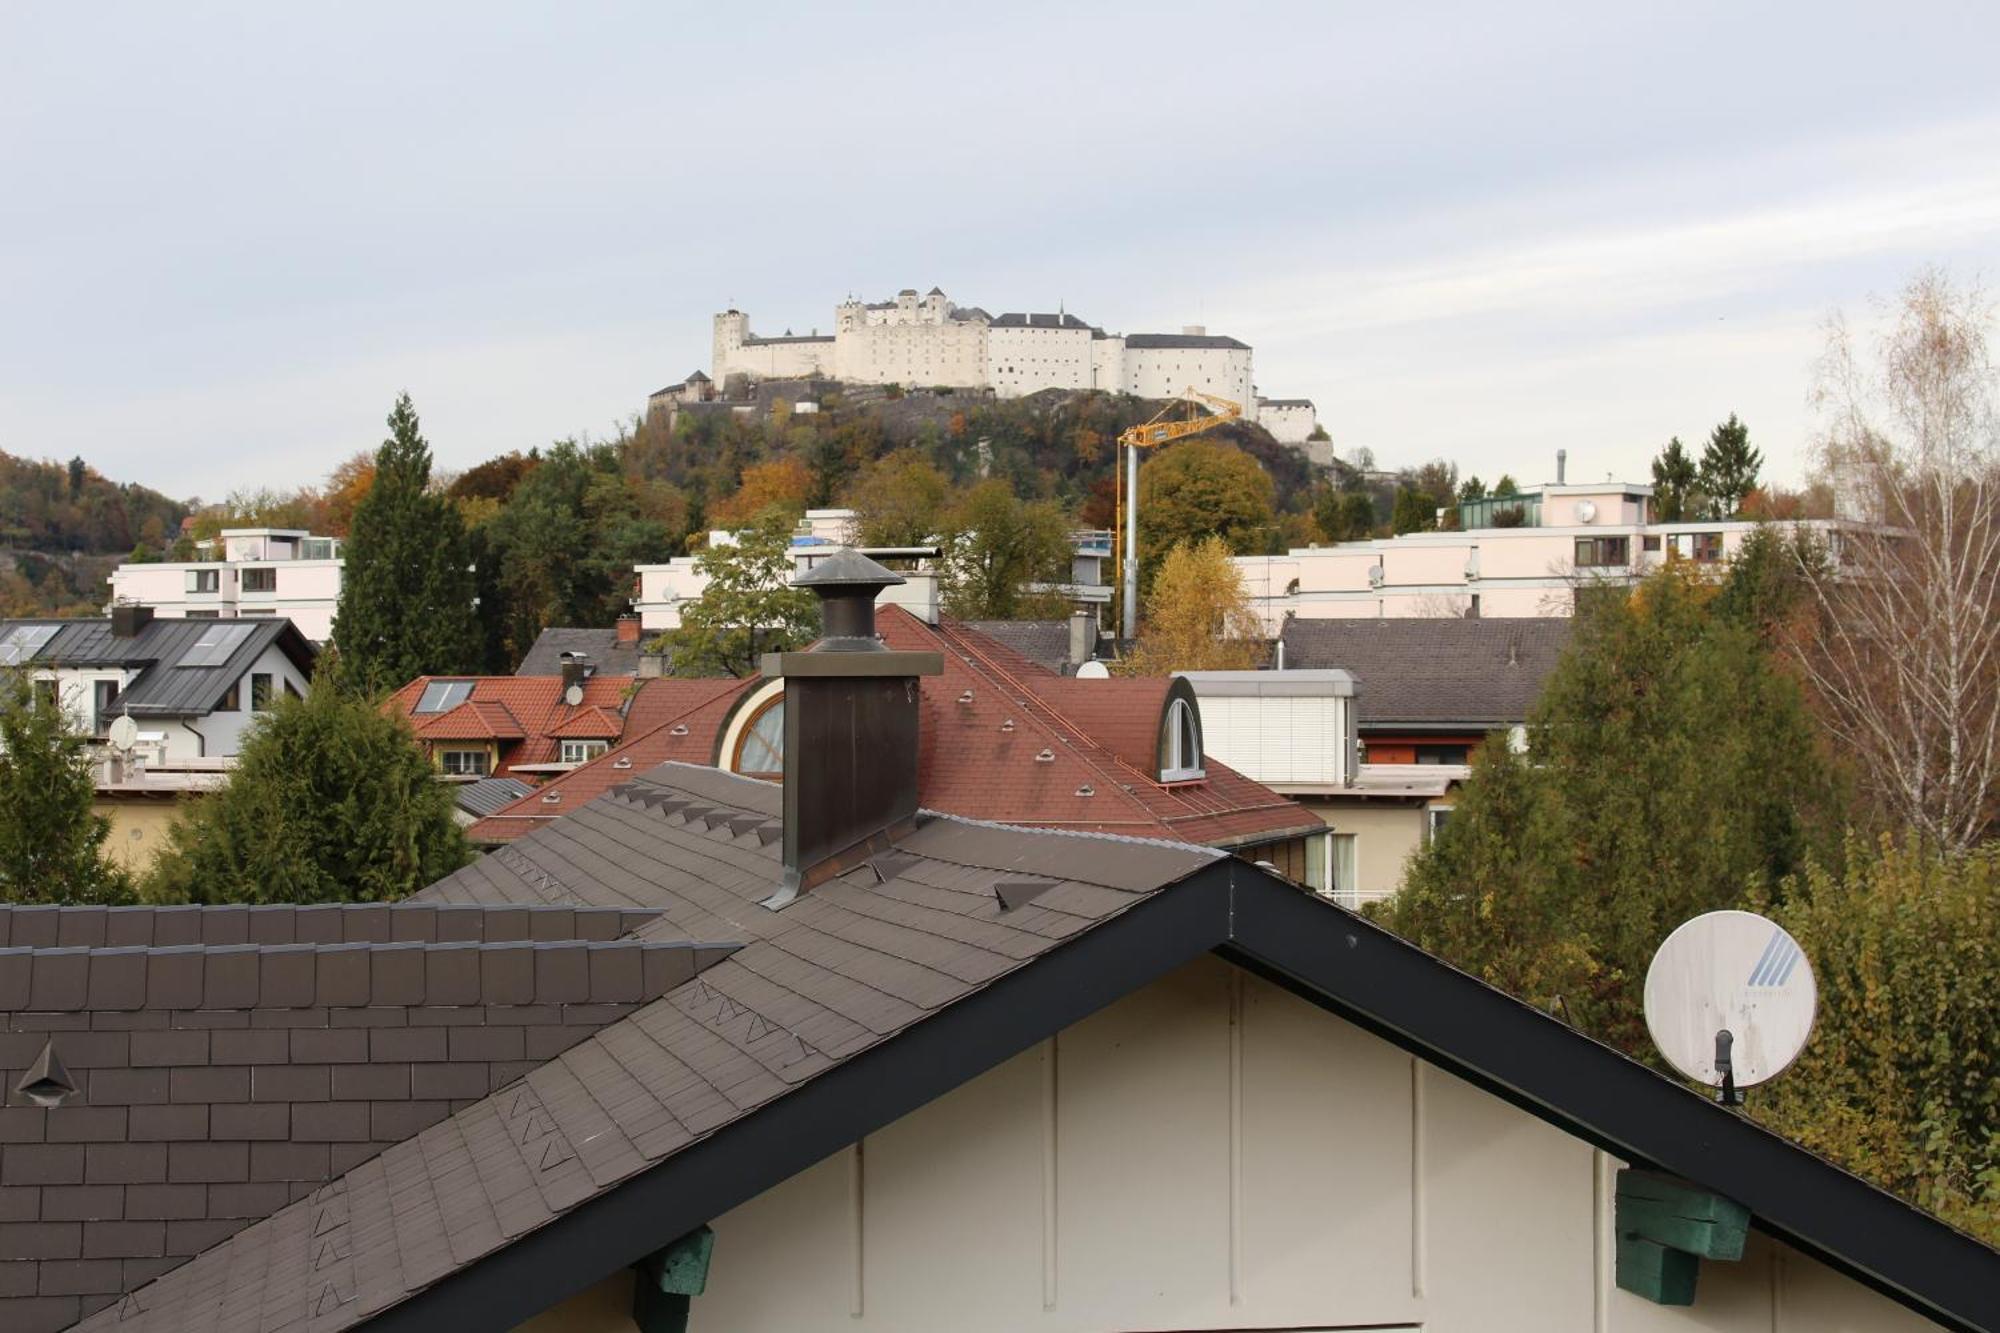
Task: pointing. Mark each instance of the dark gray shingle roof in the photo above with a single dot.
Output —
(1017, 320)
(1188, 340)
(1433, 672)
(608, 657)
(164, 688)
(487, 795)
(1043, 642)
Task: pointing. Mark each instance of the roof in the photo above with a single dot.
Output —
(753, 340)
(879, 991)
(1284, 402)
(608, 657)
(488, 794)
(1043, 642)
(1439, 672)
(1017, 320)
(1186, 340)
(526, 714)
(164, 687)
(986, 723)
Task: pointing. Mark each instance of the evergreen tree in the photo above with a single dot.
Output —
(331, 800)
(1345, 516)
(51, 841)
(1729, 468)
(1676, 484)
(406, 596)
(1416, 511)
(1671, 769)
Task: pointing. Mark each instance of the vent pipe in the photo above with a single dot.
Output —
(1082, 638)
(851, 709)
(1562, 464)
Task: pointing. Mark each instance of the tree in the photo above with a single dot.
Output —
(1671, 768)
(1345, 516)
(1416, 511)
(1472, 488)
(51, 839)
(782, 483)
(899, 500)
(1728, 468)
(1506, 486)
(749, 606)
(331, 800)
(1901, 1081)
(406, 593)
(346, 487)
(1198, 616)
(996, 545)
(1676, 484)
(1906, 664)
(1201, 488)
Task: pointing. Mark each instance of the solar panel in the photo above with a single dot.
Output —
(442, 696)
(216, 645)
(22, 642)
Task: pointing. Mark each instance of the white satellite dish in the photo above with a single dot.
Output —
(573, 695)
(1586, 511)
(1093, 671)
(123, 733)
(1730, 1000)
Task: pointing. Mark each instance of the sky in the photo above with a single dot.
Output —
(231, 234)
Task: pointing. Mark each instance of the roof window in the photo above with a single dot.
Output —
(22, 642)
(441, 696)
(216, 645)
(1180, 750)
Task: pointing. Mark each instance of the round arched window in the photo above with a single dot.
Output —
(1181, 748)
(760, 750)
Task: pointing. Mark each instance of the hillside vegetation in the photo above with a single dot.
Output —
(62, 528)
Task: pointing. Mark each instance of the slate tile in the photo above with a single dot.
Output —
(250, 1046)
(330, 1122)
(210, 1163)
(342, 975)
(61, 980)
(87, 1124)
(125, 1163)
(82, 1203)
(171, 1046)
(42, 1164)
(287, 976)
(329, 1045)
(160, 1124)
(117, 979)
(124, 1240)
(41, 1240)
(289, 1083)
(231, 978)
(165, 1201)
(294, 1161)
(371, 1082)
(250, 1121)
(391, 1045)
(215, 1083)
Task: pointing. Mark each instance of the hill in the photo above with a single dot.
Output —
(62, 528)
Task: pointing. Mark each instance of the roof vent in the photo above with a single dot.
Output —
(965, 698)
(622, 761)
(1008, 725)
(1086, 790)
(1015, 893)
(1046, 757)
(678, 729)
(551, 798)
(47, 1083)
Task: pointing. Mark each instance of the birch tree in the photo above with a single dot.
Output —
(1907, 655)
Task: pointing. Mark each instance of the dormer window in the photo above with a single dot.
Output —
(1180, 744)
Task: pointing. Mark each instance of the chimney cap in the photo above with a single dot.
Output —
(847, 569)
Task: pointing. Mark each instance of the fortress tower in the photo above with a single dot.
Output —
(732, 328)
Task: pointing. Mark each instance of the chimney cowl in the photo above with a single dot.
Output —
(575, 670)
(847, 584)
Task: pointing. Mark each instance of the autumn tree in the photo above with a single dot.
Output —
(346, 487)
(1728, 468)
(996, 546)
(1202, 488)
(1907, 664)
(51, 837)
(1198, 616)
(1676, 484)
(782, 484)
(899, 500)
(748, 606)
(406, 595)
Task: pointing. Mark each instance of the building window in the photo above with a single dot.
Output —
(260, 580)
(1603, 552)
(1443, 754)
(1183, 744)
(105, 694)
(45, 692)
(1650, 543)
(760, 751)
(1706, 546)
(1436, 817)
(232, 700)
(260, 691)
(1342, 881)
(204, 580)
(464, 763)
(582, 752)
(204, 615)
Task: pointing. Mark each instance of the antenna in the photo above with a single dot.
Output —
(1730, 1000)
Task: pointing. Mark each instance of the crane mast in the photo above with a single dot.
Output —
(1150, 435)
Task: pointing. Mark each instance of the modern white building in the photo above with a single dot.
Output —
(1520, 555)
(664, 589)
(191, 689)
(246, 572)
(926, 340)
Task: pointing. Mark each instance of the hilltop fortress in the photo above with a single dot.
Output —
(921, 341)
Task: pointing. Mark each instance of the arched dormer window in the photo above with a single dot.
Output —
(1180, 743)
(760, 749)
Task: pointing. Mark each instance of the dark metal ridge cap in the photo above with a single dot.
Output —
(1339, 962)
(1451, 1019)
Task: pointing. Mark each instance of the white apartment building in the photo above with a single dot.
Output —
(1554, 539)
(244, 573)
(664, 588)
(926, 340)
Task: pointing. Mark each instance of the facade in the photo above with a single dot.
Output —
(141, 802)
(1526, 555)
(928, 341)
(191, 688)
(245, 573)
(1290, 420)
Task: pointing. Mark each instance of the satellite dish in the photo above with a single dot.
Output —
(123, 733)
(1586, 511)
(1093, 671)
(1730, 1000)
(573, 695)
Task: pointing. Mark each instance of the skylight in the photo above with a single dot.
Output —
(216, 645)
(441, 696)
(22, 642)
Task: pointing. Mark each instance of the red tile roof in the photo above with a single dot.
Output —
(1001, 739)
(525, 714)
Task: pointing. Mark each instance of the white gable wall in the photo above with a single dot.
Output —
(1213, 1153)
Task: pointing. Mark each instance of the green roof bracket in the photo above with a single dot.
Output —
(1666, 1227)
(667, 1279)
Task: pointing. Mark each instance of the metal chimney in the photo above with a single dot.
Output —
(1082, 638)
(1562, 464)
(851, 710)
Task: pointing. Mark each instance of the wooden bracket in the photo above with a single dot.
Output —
(666, 1280)
(1665, 1228)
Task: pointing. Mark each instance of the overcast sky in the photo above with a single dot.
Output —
(229, 235)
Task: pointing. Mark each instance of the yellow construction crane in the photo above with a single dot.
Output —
(1149, 435)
